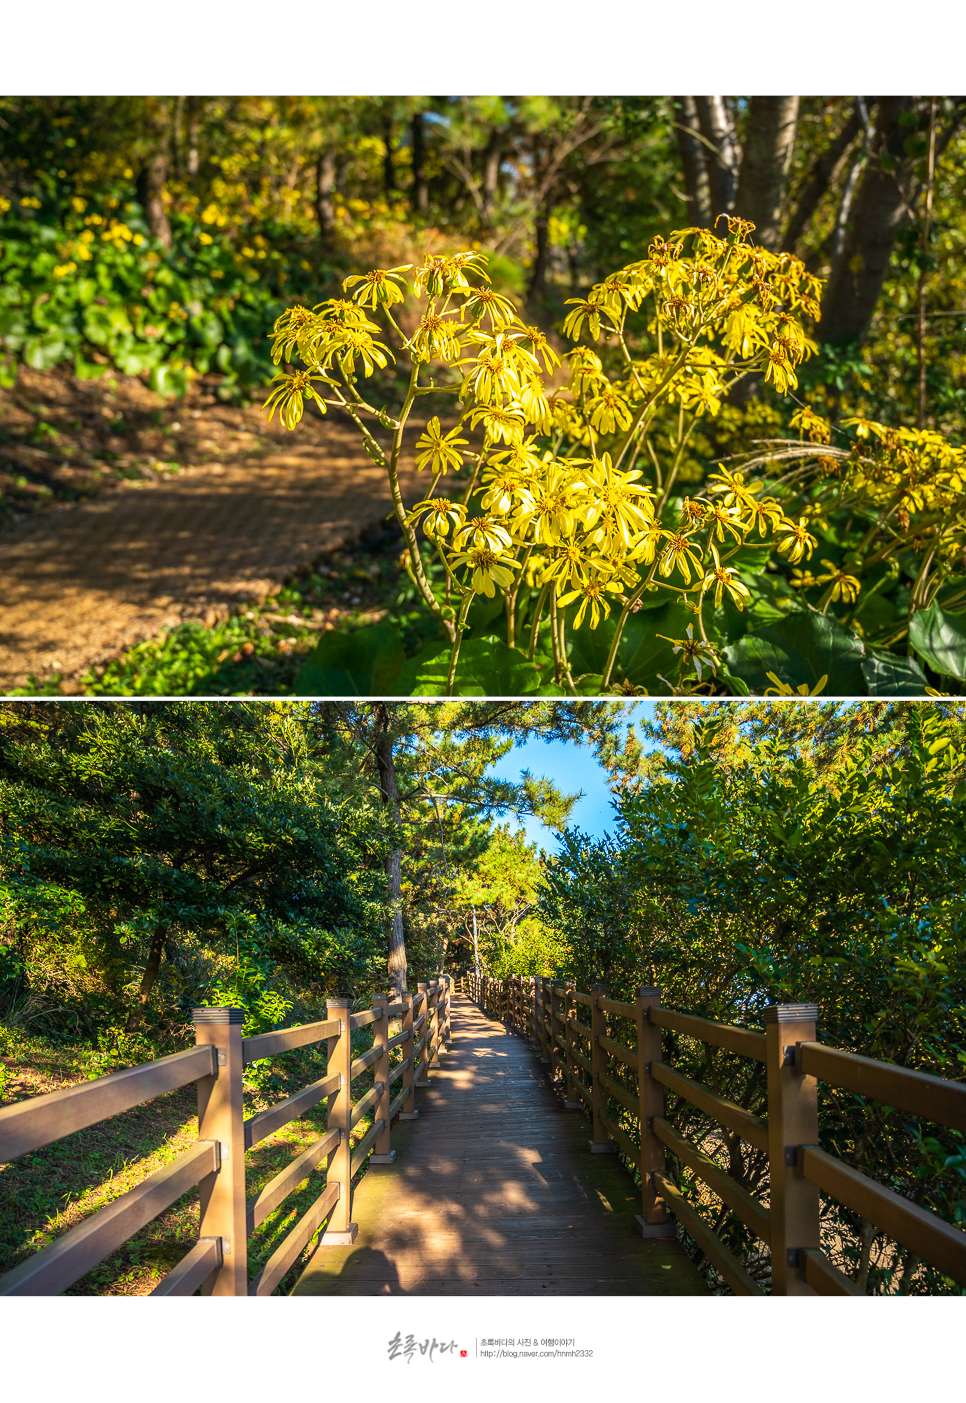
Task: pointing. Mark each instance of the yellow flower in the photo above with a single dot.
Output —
(796, 541)
(494, 374)
(484, 302)
(288, 396)
(609, 412)
(483, 531)
(436, 337)
(844, 587)
(382, 287)
(288, 331)
(486, 569)
(591, 596)
(445, 275)
(437, 450)
(721, 519)
(439, 512)
(779, 370)
(585, 310)
(781, 690)
(501, 425)
(679, 553)
(536, 342)
(724, 577)
(695, 650)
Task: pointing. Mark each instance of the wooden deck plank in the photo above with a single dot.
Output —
(494, 1192)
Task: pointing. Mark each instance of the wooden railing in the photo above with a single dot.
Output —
(602, 1051)
(218, 1263)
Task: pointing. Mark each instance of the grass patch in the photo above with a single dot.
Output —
(45, 1193)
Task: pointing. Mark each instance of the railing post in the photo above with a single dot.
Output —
(432, 1049)
(601, 1143)
(556, 1059)
(340, 1232)
(424, 1080)
(542, 1036)
(652, 1221)
(221, 1117)
(382, 1152)
(447, 1010)
(572, 1101)
(792, 1121)
(533, 1011)
(409, 1111)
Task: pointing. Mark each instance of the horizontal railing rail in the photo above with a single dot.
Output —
(619, 1059)
(217, 1264)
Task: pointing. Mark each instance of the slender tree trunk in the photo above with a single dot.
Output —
(419, 199)
(150, 192)
(390, 797)
(697, 187)
(492, 158)
(723, 160)
(537, 290)
(878, 212)
(149, 978)
(822, 175)
(923, 268)
(765, 163)
(324, 193)
(388, 166)
(191, 137)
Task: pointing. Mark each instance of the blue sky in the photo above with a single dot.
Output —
(571, 767)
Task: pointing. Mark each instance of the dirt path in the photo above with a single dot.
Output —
(249, 507)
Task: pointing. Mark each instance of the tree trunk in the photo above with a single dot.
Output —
(148, 979)
(492, 158)
(823, 173)
(765, 163)
(388, 168)
(878, 212)
(419, 198)
(723, 160)
(191, 139)
(687, 134)
(150, 192)
(324, 192)
(537, 290)
(390, 797)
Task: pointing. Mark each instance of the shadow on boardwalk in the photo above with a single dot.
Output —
(495, 1192)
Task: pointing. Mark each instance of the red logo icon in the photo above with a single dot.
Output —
(462, 1354)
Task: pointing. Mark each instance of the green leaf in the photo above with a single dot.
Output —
(487, 667)
(799, 649)
(940, 639)
(366, 662)
(641, 654)
(889, 675)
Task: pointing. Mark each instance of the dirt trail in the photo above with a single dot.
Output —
(83, 581)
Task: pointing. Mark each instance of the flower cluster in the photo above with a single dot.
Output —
(571, 499)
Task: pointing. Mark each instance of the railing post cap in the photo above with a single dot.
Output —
(649, 991)
(790, 1013)
(201, 1016)
(337, 1003)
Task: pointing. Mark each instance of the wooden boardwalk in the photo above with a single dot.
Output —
(495, 1192)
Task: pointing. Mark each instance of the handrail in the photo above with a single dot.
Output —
(29, 1125)
(933, 1098)
(265, 1123)
(741, 1040)
(217, 1263)
(797, 1169)
(286, 1039)
(57, 1266)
